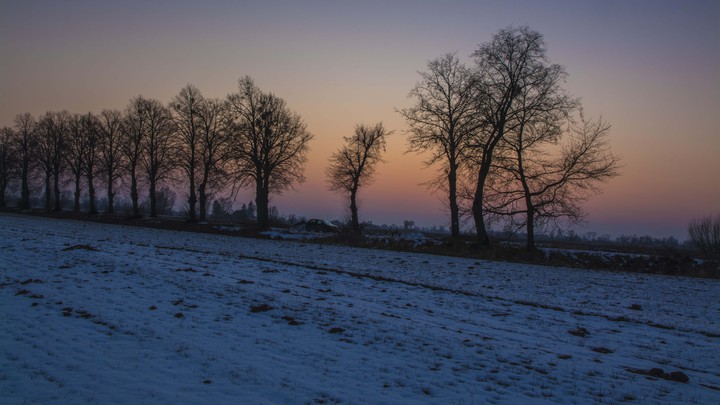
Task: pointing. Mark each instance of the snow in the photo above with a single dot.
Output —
(93, 313)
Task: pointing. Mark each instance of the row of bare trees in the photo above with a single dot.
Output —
(249, 138)
(510, 142)
(508, 139)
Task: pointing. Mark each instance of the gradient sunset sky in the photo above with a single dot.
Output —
(650, 68)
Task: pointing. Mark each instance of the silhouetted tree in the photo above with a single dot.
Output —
(133, 139)
(353, 166)
(75, 154)
(215, 122)
(26, 141)
(164, 201)
(538, 186)
(110, 154)
(8, 160)
(269, 143)
(539, 112)
(442, 121)
(513, 63)
(221, 208)
(250, 210)
(705, 234)
(186, 110)
(92, 133)
(159, 154)
(52, 143)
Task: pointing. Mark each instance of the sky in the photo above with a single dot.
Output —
(649, 68)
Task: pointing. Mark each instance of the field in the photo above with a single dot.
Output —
(97, 313)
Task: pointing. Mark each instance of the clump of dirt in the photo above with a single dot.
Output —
(291, 321)
(80, 247)
(677, 376)
(580, 332)
(187, 270)
(261, 308)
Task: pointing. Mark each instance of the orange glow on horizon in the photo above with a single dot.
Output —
(645, 67)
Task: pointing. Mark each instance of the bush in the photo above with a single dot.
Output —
(705, 234)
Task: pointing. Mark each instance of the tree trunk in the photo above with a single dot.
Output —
(48, 191)
(530, 228)
(92, 209)
(58, 206)
(529, 207)
(192, 203)
(192, 198)
(76, 204)
(25, 188)
(477, 208)
(262, 199)
(153, 200)
(110, 193)
(3, 186)
(203, 193)
(134, 193)
(355, 222)
(454, 209)
(203, 202)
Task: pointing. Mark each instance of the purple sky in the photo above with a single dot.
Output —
(650, 68)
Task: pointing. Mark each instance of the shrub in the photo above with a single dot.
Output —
(705, 234)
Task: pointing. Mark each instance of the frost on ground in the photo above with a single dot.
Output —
(92, 313)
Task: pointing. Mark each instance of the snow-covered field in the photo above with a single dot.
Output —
(93, 313)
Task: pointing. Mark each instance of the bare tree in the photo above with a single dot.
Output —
(133, 139)
(353, 166)
(8, 160)
(270, 144)
(44, 155)
(25, 128)
(52, 140)
(186, 109)
(215, 123)
(540, 187)
(75, 154)
(110, 154)
(510, 65)
(159, 155)
(442, 121)
(80, 155)
(540, 111)
(705, 234)
(92, 133)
